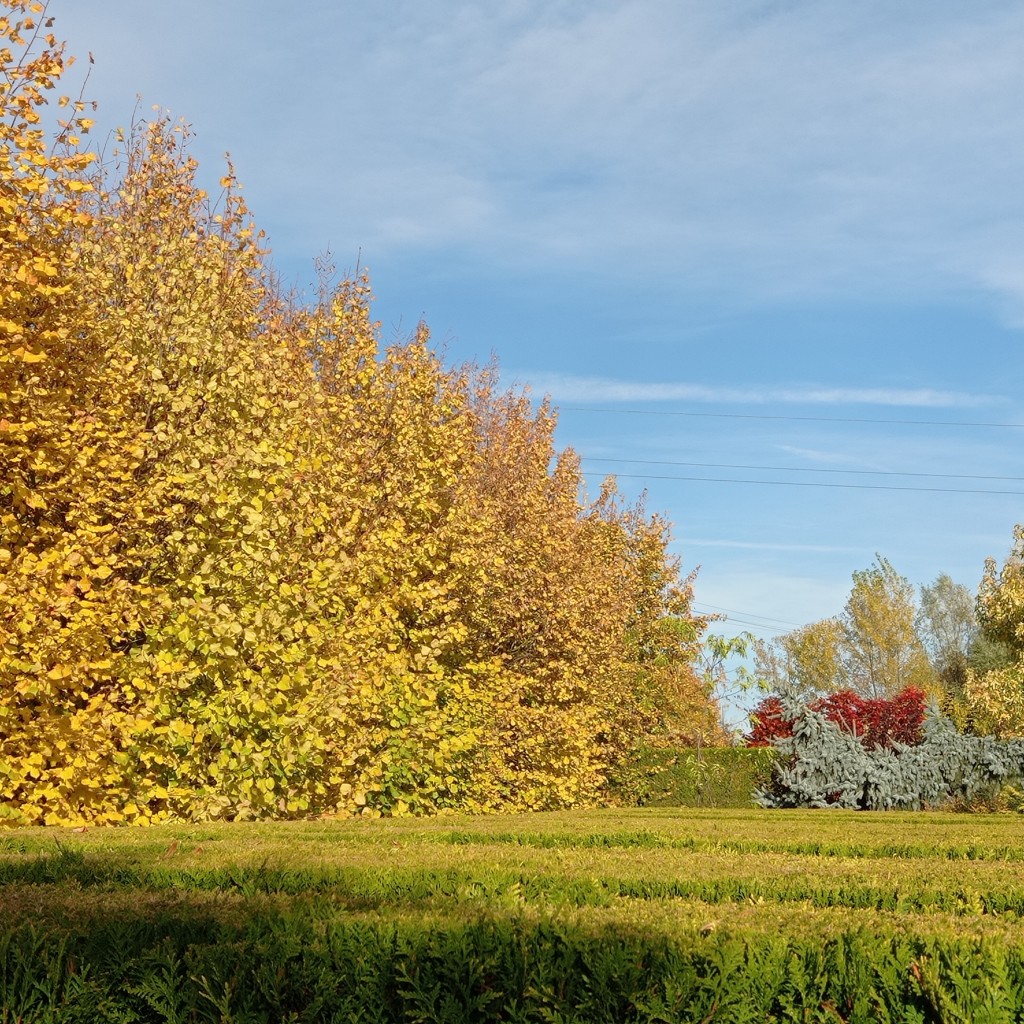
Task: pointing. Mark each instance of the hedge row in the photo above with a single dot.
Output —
(514, 970)
(690, 777)
(618, 915)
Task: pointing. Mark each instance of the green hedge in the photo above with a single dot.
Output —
(495, 971)
(680, 777)
(598, 917)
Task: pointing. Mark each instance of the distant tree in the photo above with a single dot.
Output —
(986, 654)
(873, 647)
(994, 688)
(948, 627)
(804, 661)
(882, 652)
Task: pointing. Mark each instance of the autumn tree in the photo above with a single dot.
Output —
(252, 562)
(805, 661)
(881, 650)
(948, 627)
(684, 679)
(62, 453)
(872, 647)
(995, 695)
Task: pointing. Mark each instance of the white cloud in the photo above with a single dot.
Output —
(783, 148)
(747, 545)
(569, 388)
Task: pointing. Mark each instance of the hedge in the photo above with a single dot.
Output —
(688, 777)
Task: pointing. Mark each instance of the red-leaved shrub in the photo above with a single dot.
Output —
(875, 722)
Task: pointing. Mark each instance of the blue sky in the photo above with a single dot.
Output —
(779, 242)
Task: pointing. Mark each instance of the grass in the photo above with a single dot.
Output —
(644, 914)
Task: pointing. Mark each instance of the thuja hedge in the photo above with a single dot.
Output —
(691, 777)
(514, 970)
(640, 915)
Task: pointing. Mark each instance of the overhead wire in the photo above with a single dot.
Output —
(748, 618)
(800, 483)
(754, 615)
(800, 469)
(779, 416)
(777, 630)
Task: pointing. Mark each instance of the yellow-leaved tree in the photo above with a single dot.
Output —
(254, 564)
(995, 698)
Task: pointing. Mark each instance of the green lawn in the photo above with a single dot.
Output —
(610, 915)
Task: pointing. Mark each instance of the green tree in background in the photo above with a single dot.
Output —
(948, 627)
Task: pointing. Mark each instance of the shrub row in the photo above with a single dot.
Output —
(255, 563)
(350, 887)
(513, 970)
(691, 777)
(548, 918)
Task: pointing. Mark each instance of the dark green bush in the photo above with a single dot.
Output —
(688, 777)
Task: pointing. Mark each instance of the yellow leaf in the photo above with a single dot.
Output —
(29, 357)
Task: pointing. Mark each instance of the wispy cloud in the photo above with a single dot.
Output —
(750, 545)
(569, 388)
(782, 148)
(822, 457)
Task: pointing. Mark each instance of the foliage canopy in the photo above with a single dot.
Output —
(252, 563)
(995, 691)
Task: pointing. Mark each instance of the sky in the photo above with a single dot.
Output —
(766, 258)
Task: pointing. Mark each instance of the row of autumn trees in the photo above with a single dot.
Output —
(852, 727)
(888, 650)
(252, 563)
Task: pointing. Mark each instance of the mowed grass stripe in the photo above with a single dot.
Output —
(68, 910)
(653, 840)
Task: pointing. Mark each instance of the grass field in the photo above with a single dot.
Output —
(636, 915)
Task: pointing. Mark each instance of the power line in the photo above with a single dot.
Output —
(757, 625)
(767, 416)
(800, 483)
(776, 630)
(754, 615)
(801, 469)
(732, 615)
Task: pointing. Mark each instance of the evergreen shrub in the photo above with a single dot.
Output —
(822, 765)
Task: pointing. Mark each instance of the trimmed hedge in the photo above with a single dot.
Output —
(284, 968)
(604, 917)
(688, 777)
